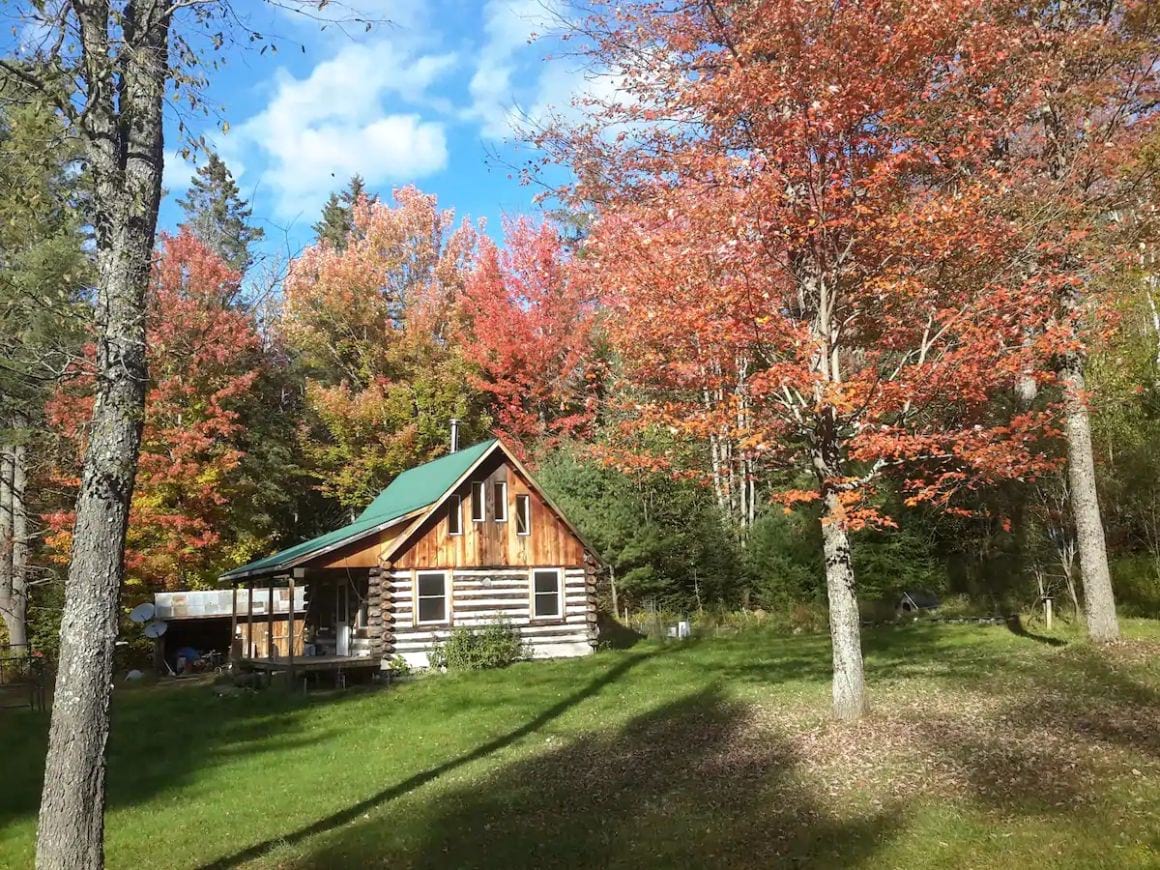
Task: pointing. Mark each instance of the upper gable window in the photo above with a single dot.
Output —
(455, 515)
(523, 514)
(501, 501)
(478, 501)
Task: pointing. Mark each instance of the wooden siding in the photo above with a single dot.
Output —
(260, 631)
(491, 544)
(481, 597)
(361, 554)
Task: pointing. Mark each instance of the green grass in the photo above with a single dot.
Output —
(985, 748)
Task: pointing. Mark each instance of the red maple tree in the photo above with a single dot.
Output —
(203, 364)
(528, 329)
(1073, 91)
(802, 273)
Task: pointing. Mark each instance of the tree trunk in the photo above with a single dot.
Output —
(122, 129)
(1099, 602)
(845, 631)
(615, 596)
(14, 584)
(7, 608)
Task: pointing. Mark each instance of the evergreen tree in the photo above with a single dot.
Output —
(217, 214)
(337, 220)
(43, 268)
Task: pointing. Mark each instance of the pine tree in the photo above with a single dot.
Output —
(43, 270)
(217, 214)
(337, 220)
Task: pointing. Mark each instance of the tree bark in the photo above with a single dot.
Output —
(615, 596)
(849, 688)
(1099, 601)
(14, 572)
(7, 605)
(122, 129)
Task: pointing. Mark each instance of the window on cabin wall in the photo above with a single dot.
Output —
(455, 515)
(523, 514)
(501, 501)
(478, 501)
(547, 586)
(431, 597)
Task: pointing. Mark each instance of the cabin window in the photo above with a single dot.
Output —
(523, 514)
(546, 594)
(478, 507)
(501, 501)
(455, 515)
(431, 597)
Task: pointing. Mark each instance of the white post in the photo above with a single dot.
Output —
(1047, 611)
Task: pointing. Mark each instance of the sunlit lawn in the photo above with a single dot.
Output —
(985, 749)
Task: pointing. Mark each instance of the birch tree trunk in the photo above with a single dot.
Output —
(122, 131)
(14, 542)
(7, 609)
(18, 628)
(1099, 601)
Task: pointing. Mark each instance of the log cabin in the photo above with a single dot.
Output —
(464, 540)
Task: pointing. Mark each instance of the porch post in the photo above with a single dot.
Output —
(233, 620)
(270, 620)
(251, 653)
(290, 630)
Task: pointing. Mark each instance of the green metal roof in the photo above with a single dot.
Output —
(415, 488)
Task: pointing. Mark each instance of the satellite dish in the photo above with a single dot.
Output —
(142, 613)
(156, 629)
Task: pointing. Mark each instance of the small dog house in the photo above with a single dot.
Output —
(917, 602)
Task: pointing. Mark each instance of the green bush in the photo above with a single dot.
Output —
(964, 606)
(1136, 586)
(399, 666)
(809, 618)
(473, 649)
(878, 609)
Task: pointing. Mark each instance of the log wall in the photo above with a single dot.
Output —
(480, 597)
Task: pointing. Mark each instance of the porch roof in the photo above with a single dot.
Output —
(413, 490)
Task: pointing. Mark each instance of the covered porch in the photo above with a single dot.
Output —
(340, 632)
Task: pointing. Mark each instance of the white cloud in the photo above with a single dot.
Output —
(177, 174)
(354, 113)
(508, 67)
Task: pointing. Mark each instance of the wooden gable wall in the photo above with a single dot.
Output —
(492, 544)
(366, 553)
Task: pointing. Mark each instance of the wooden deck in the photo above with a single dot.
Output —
(311, 663)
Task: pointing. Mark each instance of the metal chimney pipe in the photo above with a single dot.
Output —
(454, 435)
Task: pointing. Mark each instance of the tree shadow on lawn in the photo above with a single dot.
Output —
(396, 790)
(1090, 694)
(1079, 728)
(161, 737)
(690, 783)
(1015, 626)
(952, 653)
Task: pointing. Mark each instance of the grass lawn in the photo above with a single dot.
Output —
(985, 749)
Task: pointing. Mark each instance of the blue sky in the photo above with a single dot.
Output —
(433, 98)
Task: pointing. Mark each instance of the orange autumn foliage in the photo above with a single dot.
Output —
(202, 368)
